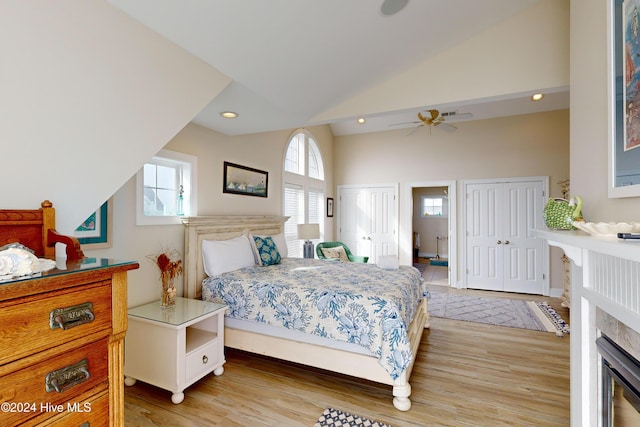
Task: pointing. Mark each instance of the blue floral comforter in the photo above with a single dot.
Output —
(345, 301)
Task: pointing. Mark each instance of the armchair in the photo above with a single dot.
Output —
(352, 257)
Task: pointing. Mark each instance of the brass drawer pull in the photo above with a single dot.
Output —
(68, 317)
(65, 378)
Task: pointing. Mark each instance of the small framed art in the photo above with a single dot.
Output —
(245, 180)
(95, 231)
(329, 207)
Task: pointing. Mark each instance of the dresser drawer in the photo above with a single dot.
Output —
(54, 381)
(202, 361)
(30, 325)
(93, 412)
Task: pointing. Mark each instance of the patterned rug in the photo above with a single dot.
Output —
(497, 311)
(422, 267)
(335, 418)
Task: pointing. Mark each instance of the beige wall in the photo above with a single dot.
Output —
(517, 146)
(263, 151)
(589, 124)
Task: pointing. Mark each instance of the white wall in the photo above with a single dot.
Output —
(263, 151)
(88, 94)
(517, 146)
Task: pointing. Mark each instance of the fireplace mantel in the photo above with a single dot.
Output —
(608, 278)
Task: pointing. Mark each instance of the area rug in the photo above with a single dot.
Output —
(497, 311)
(335, 418)
(422, 267)
(439, 262)
(550, 318)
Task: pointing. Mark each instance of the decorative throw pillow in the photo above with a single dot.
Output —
(267, 250)
(337, 252)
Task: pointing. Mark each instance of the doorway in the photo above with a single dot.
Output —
(432, 225)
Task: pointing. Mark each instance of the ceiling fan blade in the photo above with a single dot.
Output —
(461, 116)
(404, 123)
(415, 129)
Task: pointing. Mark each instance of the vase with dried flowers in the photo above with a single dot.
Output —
(170, 265)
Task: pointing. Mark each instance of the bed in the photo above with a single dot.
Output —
(384, 355)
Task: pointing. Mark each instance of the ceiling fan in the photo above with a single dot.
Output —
(435, 118)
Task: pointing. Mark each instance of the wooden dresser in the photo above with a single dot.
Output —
(62, 346)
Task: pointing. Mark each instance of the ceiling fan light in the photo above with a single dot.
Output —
(537, 96)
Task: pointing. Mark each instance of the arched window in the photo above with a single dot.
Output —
(304, 188)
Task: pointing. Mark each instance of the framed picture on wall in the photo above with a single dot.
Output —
(329, 206)
(95, 231)
(245, 180)
(624, 98)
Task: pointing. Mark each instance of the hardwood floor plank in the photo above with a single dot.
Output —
(465, 374)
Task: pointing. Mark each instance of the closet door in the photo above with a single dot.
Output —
(368, 220)
(522, 250)
(484, 237)
(502, 252)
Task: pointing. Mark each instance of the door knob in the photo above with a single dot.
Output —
(499, 242)
(506, 242)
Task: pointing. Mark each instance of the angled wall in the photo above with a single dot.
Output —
(88, 95)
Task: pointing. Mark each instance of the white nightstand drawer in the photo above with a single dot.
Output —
(203, 360)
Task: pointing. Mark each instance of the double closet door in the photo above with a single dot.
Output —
(368, 220)
(502, 253)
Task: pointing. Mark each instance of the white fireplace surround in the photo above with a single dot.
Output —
(608, 278)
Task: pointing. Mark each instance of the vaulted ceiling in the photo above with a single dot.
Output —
(294, 63)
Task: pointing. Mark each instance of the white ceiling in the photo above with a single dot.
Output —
(292, 60)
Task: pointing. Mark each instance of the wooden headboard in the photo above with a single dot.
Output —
(35, 228)
(222, 227)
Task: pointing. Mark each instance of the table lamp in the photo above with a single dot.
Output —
(308, 232)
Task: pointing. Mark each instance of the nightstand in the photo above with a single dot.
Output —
(174, 347)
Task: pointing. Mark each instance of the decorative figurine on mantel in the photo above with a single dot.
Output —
(170, 266)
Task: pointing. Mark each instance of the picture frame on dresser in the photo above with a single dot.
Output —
(624, 99)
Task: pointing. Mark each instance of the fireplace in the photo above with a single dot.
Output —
(620, 382)
(605, 279)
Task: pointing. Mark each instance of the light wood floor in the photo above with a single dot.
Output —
(466, 374)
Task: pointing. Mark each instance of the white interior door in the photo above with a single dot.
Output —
(502, 252)
(484, 234)
(368, 220)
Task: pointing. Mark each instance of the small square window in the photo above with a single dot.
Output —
(434, 206)
(166, 189)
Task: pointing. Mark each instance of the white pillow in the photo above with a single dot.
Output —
(221, 256)
(388, 262)
(278, 239)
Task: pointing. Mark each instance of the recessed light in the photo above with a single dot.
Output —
(229, 114)
(361, 120)
(537, 97)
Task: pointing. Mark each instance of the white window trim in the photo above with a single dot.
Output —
(190, 188)
(305, 182)
(445, 206)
